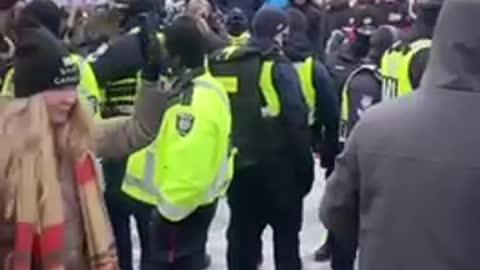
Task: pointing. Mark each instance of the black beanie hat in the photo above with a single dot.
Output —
(268, 22)
(42, 62)
(46, 12)
(297, 21)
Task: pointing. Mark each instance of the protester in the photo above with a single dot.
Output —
(192, 157)
(48, 143)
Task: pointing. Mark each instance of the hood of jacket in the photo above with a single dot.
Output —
(454, 62)
(297, 46)
(265, 45)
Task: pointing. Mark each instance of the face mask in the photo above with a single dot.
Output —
(281, 37)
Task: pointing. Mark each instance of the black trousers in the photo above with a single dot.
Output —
(180, 245)
(194, 261)
(254, 205)
(343, 250)
(120, 208)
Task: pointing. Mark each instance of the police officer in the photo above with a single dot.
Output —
(321, 101)
(316, 83)
(404, 63)
(363, 88)
(343, 62)
(7, 47)
(237, 27)
(274, 168)
(188, 166)
(116, 66)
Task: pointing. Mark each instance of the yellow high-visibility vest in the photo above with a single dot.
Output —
(396, 68)
(190, 163)
(306, 73)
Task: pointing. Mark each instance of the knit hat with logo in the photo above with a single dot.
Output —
(269, 22)
(42, 62)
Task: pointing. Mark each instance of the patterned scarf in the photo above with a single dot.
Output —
(40, 226)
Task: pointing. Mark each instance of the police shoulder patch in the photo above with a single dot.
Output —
(185, 122)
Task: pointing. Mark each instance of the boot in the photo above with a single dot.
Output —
(323, 253)
(207, 261)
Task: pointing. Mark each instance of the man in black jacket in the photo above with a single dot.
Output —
(274, 169)
(323, 109)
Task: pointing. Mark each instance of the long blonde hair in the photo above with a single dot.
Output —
(29, 145)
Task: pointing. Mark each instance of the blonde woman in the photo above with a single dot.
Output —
(51, 207)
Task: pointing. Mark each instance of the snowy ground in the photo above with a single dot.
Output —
(312, 234)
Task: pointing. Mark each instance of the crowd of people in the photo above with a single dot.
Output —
(158, 109)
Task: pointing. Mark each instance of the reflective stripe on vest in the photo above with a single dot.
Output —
(88, 87)
(396, 68)
(240, 40)
(120, 96)
(344, 129)
(305, 71)
(141, 173)
(8, 86)
(269, 91)
(228, 51)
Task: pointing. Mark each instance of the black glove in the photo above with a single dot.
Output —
(150, 48)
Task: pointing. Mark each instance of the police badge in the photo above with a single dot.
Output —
(185, 123)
